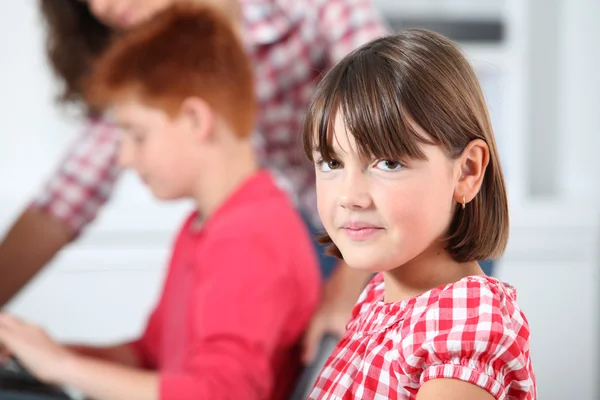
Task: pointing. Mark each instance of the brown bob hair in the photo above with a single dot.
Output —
(185, 51)
(385, 89)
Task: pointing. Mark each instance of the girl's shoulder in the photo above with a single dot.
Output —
(470, 287)
(472, 330)
(474, 302)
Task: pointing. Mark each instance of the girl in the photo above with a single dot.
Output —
(409, 185)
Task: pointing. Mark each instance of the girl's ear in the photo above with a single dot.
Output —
(472, 163)
(197, 117)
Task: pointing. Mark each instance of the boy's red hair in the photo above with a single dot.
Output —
(186, 51)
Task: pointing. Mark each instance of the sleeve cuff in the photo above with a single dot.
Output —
(466, 374)
(75, 226)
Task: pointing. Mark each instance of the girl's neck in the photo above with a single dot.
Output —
(424, 273)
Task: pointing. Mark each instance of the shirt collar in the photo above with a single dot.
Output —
(257, 186)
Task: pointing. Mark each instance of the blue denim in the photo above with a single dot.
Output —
(487, 266)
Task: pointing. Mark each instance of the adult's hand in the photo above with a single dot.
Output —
(339, 297)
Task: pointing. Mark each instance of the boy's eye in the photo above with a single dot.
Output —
(137, 138)
(329, 165)
(388, 165)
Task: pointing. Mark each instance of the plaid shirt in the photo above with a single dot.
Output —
(291, 43)
(471, 330)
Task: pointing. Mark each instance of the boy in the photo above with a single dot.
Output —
(243, 280)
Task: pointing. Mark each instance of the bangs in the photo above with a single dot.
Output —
(368, 94)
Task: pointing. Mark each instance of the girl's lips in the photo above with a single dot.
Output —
(360, 231)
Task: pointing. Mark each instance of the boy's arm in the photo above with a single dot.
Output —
(52, 363)
(240, 308)
(123, 354)
(120, 372)
(104, 380)
(69, 201)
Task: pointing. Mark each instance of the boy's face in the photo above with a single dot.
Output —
(160, 149)
(123, 14)
(382, 214)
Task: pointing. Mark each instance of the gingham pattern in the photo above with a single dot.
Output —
(291, 42)
(472, 330)
(85, 177)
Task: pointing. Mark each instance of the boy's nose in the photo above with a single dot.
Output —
(125, 155)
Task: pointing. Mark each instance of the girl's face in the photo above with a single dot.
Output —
(123, 14)
(382, 214)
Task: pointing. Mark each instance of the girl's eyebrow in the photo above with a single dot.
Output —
(330, 151)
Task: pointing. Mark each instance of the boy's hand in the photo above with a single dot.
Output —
(4, 354)
(34, 349)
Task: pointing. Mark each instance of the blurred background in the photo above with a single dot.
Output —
(538, 62)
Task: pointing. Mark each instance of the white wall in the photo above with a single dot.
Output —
(101, 287)
(580, 92)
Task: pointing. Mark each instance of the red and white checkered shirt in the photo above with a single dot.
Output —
(471, 330)
(291, 43)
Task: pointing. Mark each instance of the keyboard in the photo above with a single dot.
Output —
(14, 371)
(16, 383)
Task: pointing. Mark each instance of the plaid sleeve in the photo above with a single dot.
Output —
(481, 337)
(348, 24)
(84, 179)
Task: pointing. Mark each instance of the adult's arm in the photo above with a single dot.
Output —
(68, 202)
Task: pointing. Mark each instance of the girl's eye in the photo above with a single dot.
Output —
(388, 165)
(329, 165)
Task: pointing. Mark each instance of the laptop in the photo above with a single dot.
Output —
(17, 384)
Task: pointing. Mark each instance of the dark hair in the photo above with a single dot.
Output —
(390, 86)
(185, 51)
(74, 39)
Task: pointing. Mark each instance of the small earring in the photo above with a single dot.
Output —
(463, 203)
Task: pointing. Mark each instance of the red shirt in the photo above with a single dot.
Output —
(239, 294)
(472, 330)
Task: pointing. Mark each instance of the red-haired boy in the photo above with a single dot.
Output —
(243, 280)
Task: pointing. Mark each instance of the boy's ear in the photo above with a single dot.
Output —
(472, 165)
(198, 117)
